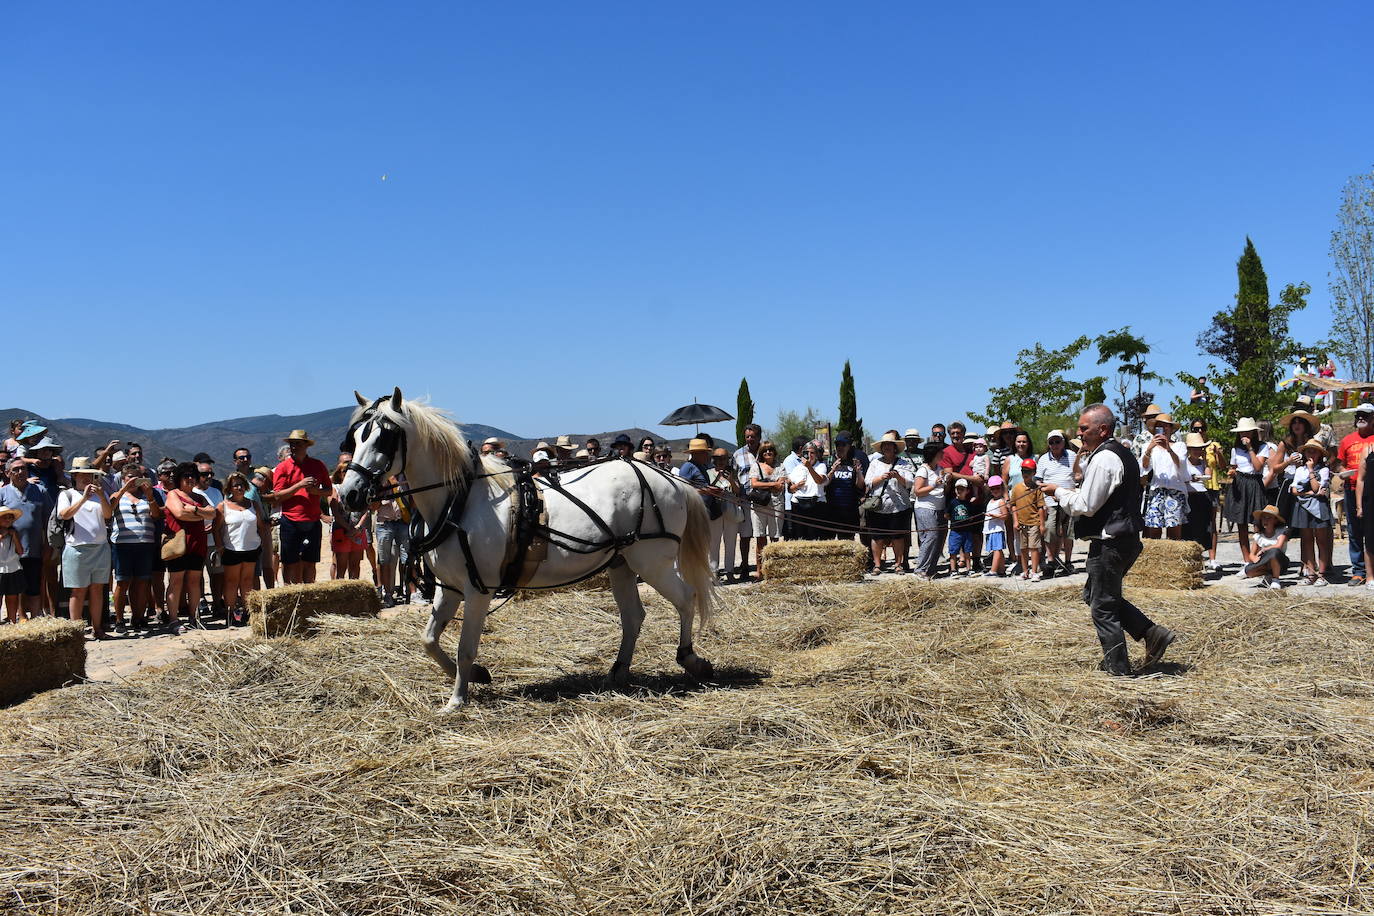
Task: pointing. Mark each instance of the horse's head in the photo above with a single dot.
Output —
(378, 445)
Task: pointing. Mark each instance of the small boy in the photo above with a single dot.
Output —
(995, 526)
(1029, 515)
(960, 544)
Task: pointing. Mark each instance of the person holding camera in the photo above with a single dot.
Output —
(844, 487)
(136, 511)
(1167, 463)
(86, 556)
(806, 482)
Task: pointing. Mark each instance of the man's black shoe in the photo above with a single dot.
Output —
(1157, 642)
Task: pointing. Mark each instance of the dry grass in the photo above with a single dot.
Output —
(813, 562)
(599, 582)
(1167, 564)
(39, 655)
(292, 609)
(883, 748)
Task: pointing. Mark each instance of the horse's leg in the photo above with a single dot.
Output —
(631, 618)
(660, 573)
(445, 607)
(474, 616)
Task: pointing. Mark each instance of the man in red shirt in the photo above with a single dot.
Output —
(1351, 453)
(298, 484)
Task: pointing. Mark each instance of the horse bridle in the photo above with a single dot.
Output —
(391, 442)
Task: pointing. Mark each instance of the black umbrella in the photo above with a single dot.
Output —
(695, 414)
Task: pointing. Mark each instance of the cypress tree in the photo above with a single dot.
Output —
(744, 410)
(849, 419)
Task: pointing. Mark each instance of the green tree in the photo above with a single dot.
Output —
(790, 424)
(1128, 351)
(1351, 280)
(849, 419)
(744, 410)
(1095, 390)
(1252, 342)
(1041, 387)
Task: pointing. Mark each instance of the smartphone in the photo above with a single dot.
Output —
(1159, 430)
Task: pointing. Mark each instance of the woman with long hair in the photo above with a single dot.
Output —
(245, 531)
(186, 511)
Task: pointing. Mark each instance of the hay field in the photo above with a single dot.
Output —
(882, 748)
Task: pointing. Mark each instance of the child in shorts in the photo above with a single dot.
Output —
(960, 512)
(995, 527)
(1028, 514)
(11, 570)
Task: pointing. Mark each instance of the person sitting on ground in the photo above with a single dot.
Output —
(86, 557)
(1267, 557)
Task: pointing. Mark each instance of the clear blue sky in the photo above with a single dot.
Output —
(595, 212)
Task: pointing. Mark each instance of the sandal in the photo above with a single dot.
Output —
(1309, 580)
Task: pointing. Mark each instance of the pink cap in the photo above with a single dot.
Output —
(995, 481)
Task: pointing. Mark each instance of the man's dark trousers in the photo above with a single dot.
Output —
(1108, 561)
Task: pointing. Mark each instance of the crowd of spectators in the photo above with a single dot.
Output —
(137, 550)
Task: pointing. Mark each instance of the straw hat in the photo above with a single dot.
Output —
(913, 434)
(991, 433)
(14, 513)
(1152, 410)
(1195, 440)
(1056, 432)
(889, 437)
(1009, 427)
(1077, 444)
(1165, 419)
(582, 453)
(491, 440)
(698, 445)
(640, 456)
(82, 465)
(298, 435)
(1312, 445)
(1246, 425)
(1259, 514)
(1312, 422)
(564, 442)
(542, 446)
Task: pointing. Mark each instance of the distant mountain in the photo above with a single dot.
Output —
(262, 435)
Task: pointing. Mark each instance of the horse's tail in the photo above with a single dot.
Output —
(694, 556)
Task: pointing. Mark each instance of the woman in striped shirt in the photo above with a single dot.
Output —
(136, 511)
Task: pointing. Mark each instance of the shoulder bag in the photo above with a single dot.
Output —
(873, 502)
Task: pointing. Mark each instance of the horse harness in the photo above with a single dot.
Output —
(530, 534)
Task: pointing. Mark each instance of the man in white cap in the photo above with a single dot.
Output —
(491, 444)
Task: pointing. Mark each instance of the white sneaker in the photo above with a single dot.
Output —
(1036, 577)
(1266, 582)
(1275, 584)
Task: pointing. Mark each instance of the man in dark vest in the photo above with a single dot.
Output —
(1106, 507)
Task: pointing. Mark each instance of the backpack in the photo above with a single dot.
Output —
(58, 529)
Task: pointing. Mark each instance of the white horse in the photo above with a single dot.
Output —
(393, 436)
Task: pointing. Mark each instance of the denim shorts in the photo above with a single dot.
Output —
(995, 540)
(960, 541)
(393, 542)
(85, 564)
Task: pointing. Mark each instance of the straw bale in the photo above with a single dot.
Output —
(867, 748)
(1167, 564)
(291, 609)
(39, 655)
(809, 562)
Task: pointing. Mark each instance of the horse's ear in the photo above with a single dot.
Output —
(362, 401)
(396, 399)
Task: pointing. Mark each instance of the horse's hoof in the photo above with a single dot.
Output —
(616, 678)
(480, 675)
(450, 707)
(699, 668)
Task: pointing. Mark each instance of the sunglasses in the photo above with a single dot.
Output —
(243, 457)
(205, 474)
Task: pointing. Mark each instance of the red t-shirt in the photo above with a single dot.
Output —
(301, 506)
(1352, 450)
(197, 538)
(957, 460)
